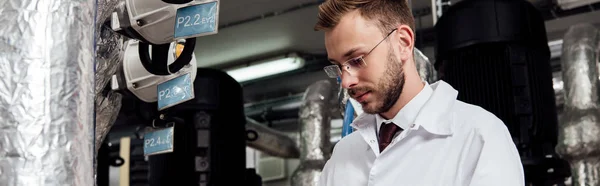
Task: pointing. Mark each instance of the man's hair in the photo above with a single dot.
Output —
(387, 13)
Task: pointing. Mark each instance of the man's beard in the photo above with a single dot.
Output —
(388, 88)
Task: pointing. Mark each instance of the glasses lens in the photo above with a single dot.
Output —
(333, 71)
(356, 63)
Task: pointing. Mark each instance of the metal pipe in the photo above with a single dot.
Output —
(270, 141)
(579, 128)
(109, 51)
(46, 92)
(315, 126)
(424, 67)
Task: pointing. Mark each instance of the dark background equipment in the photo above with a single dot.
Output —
(499, 59)
(210, 140)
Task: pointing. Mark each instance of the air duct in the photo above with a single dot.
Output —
(109, 56)
(424, 66)
(579, 129)
(270, 141)
(46, 92)
(315, 126)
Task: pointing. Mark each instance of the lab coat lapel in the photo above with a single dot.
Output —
(436, 115)
(365, 123)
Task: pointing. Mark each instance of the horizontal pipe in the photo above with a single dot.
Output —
(270, 141)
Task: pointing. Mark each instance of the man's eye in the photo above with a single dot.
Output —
(355, 62)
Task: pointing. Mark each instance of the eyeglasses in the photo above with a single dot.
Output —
(352, 65)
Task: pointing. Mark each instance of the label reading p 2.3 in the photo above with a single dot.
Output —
(175, 91)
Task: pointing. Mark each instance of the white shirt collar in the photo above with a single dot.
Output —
(407, 115)
(438, 118)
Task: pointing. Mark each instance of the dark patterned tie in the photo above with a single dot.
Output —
(386, 134)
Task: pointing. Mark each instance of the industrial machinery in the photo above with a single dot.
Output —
(207, 135)
(193, 132)
(158, 23)
(501, 62)
(191, 126)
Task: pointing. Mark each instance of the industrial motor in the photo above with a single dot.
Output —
(499, 59)
(210, 136)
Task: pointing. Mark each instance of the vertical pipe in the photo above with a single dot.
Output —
(108, 57)
(434, 14)
(579, 128)
(46, 92)
(424, 67)
(315, 126)
(109, 51)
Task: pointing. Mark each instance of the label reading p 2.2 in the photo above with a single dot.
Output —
(196, 20)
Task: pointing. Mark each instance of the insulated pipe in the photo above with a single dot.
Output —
(579, 128)
(109, 56)
(315, 126)
(270, 141)
(47, 92)
(424, 67)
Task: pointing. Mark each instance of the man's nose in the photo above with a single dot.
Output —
(348, 81)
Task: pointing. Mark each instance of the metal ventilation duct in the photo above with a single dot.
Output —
(315, 127)
(46, 92)
(579, 129)
(109, 51)
(425, 67)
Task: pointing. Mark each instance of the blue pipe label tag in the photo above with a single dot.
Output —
(158, 141)
(175, 91)
(197, 20)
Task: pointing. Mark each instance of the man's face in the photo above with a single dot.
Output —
(378, 84)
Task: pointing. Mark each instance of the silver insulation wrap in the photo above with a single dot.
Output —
(46, 92)
(315, 126)
(557, 83)
(579, 128)
(270, 141)
(109, 51)
(424, 67)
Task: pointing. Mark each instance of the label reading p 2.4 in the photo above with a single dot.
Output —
(159, 141)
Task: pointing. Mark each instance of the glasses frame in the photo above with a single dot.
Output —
(335, 71)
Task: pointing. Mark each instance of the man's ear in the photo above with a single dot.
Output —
(406, 41)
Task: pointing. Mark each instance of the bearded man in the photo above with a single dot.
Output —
(412, 133)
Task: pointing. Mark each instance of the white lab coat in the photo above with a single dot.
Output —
(451, 143)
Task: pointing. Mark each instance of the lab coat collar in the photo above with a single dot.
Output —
(408, 114)
(435, 117)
